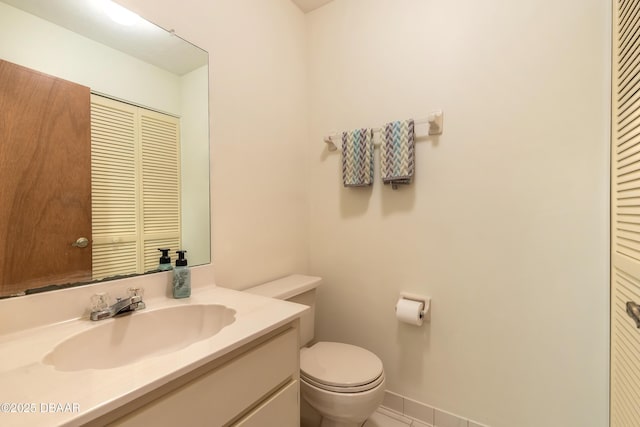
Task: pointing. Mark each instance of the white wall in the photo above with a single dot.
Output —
(194, 161)
(506, 225)
(258, 96)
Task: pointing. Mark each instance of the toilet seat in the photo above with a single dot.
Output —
(341, 368)
(343, 389)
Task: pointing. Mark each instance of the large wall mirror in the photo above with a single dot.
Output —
(104, 145)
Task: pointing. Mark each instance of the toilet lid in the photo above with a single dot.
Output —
(338, 364)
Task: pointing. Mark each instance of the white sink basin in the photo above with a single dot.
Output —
(128, 339)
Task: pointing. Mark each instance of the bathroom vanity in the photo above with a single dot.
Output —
(256, 385)
(242, 371)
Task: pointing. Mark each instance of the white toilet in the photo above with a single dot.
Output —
(342, 382)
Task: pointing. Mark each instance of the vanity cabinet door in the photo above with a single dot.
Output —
(45, 170)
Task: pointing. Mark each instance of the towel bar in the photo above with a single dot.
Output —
(434, 119)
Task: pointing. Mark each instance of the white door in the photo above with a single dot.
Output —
(625, 216)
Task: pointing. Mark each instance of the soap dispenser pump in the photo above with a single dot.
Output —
(165, 260)
(181, 277)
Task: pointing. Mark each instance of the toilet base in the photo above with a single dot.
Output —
(342, 409)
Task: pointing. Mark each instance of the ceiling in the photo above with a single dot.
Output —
(309, 5)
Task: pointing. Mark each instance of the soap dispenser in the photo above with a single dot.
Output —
(181, 277)
(165, 260)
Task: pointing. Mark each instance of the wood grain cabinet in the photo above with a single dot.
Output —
(45, 170)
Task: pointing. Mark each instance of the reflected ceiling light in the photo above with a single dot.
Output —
(120, 14)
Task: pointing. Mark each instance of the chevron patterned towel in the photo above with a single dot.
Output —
(357, 158)
(397, 161)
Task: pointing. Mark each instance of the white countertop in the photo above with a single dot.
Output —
(74, 398)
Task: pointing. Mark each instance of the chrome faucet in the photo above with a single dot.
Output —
(102, 310)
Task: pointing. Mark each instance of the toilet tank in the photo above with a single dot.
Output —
(295, 288)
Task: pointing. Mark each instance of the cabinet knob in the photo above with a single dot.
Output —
(82, 242)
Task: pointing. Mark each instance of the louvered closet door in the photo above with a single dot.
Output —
(625, 210)
(160, 185)
(114, 189)
(135, 187)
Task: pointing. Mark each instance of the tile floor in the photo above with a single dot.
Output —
(386, 418)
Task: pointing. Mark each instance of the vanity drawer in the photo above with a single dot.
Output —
(224, 393)
(280, 410)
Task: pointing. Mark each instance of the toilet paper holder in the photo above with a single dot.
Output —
(426, 303)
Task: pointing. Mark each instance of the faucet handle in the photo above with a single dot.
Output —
(136, 292)
(100, 301)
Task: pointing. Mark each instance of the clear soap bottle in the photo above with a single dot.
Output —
(181, 277)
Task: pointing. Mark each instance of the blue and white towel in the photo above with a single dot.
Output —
(397, 152)
(357, 158)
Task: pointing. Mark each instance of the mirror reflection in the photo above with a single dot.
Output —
(105, 145)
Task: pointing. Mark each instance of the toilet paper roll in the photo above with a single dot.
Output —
(409, 311)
